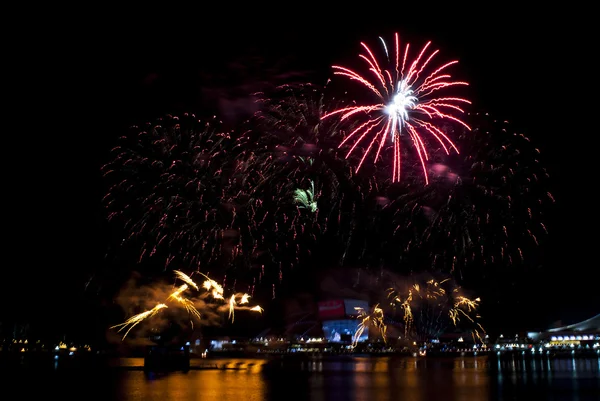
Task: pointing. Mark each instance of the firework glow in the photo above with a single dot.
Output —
(137, 319)
(429, 307)
(176, 297)
(408, 104)
(375, 319)
(484, 212)
(305, 198)
(183, 192)
(283, 194)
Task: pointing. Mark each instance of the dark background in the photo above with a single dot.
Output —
(76, 79)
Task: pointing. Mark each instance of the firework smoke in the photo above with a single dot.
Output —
(180, 304)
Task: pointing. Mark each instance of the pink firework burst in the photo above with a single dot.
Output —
(408, 104)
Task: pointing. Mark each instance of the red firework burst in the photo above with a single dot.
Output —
(407, 104)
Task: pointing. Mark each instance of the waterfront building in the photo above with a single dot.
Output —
(582, 334)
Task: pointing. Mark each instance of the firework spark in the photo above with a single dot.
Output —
(301, 194)
(167, 192)
(484, 212)
(305, 198)
(137, 319)
(185, 302)
(375, 318)
(212, 289)
(408, 104)
(184, 192)
(186, 279)
(428, 307)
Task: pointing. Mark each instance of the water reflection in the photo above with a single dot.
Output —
(386, 379)
(205, 385)
(420, 379)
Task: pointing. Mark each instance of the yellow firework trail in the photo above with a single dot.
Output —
(375, 319)
(211, 287)
(185, 302)
(232, 304)
(438, 301)
(136, 319)
(186, 279)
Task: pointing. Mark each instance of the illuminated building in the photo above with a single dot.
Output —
(585, 333)
(339, 319)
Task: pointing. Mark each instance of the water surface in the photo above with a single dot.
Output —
(353, 378)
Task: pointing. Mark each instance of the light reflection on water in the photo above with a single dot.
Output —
(195, 385)
(360, 378)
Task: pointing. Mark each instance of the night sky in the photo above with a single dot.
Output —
(75, 84)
